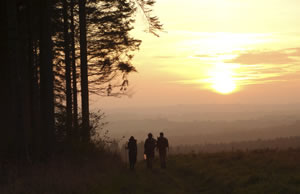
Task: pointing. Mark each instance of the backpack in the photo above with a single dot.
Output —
(162, 143)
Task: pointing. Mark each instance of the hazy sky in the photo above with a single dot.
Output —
(217, 51)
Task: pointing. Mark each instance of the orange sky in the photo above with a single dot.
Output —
(217, 51)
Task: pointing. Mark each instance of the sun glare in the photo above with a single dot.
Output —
(221, 80)
(223, 84)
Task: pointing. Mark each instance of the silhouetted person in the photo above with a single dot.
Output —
(132, 152)
(162, 145)
(149, 146)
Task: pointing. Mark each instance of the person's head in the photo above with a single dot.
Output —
(161, 134)
(131, 138)
(149, 135)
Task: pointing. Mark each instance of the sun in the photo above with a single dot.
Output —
(222, 80)
(224, 84)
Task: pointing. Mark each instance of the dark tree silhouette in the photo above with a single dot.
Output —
(84, 72)
(74, 74)
(46, 76)
(40, 62)
(110, 46)
(67, 70)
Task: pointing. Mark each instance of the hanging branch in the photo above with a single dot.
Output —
(154, 24)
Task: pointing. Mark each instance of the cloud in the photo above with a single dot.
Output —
(257, 67)
(202, 56)
(284, 56)
(165, 57)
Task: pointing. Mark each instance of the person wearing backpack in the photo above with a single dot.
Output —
(149, 149)
(162, 146)
(132, 152)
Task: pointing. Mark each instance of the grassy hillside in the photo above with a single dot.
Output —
(240, 172)
(254, 172)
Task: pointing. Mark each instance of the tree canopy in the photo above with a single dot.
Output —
(55, 50)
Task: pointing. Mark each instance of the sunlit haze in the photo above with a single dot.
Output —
(216, 52)
(150, 96)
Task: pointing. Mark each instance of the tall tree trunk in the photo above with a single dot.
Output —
(74, 75)
(6, 53)
(84, 72)
(16, 80)
(68, 71)
(46, 78)
(24, 81)
(36, 142)
(35, 105)
(13, 79)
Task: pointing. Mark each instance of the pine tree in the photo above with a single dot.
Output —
(84, 72)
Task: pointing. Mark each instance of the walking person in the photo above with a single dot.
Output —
(162, 146)
(132, 152)
(149, 149)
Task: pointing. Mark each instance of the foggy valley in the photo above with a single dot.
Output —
(206, 124)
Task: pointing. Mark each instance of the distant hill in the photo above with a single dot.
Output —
(206, 123)
(207, 132)
(283, 143)
(203, 112)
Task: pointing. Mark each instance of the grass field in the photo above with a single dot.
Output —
(262, 171)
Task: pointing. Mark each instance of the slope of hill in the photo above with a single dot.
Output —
(261, 171)
(256, 172)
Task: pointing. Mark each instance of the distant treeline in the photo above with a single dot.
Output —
(199, 132)
(282, 143)
(51, 52)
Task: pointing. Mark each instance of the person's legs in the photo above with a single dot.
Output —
(164, 165)
(148, 161)
(132, 161)
(162, 157)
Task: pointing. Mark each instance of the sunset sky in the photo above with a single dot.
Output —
(216, 51)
